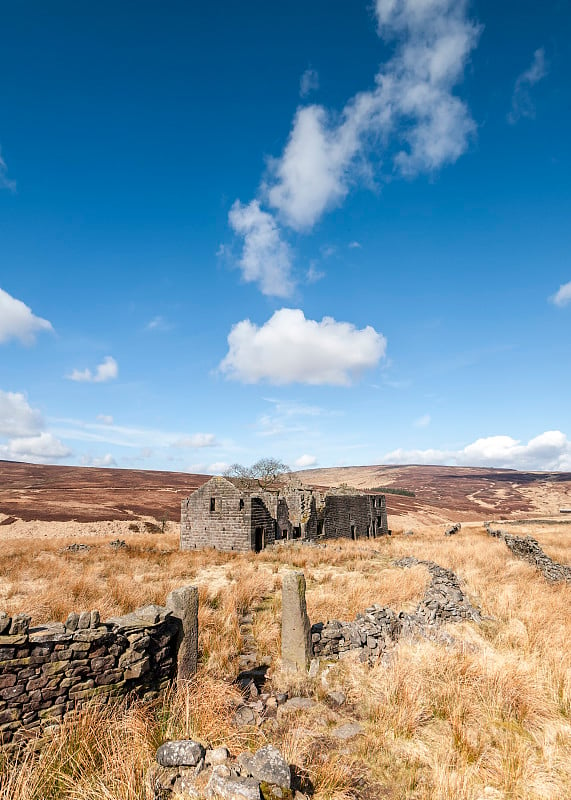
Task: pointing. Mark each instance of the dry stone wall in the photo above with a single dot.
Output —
(379, 628)
(528, 549)
(49, 670)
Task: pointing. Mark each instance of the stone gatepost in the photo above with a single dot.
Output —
(296, 628)
(183, 604)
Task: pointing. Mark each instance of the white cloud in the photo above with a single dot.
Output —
(196, 440)
(549, 451)
(289, 348)
(5, 182)
(355, 245)
(422, 422)
(562, 296)
(43, 448)
(98, 461)
(22, 428)
(105, 419)
(145, 440)
(17, 417)
(305, 461)
(412, 110)
(217, 468)
(309, 82)
(158, 323)
(108, 370)
(411, 120)
(17, 320)
(314, 274)
(522, 103)
(266, 258)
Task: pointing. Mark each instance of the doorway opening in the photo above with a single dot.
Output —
(258, 540)
(353, 533)
(297, 532)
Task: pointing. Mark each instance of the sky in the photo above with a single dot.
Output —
(333, 233)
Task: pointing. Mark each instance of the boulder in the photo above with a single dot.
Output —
(270, 766)
(182, 753)
(231, 787)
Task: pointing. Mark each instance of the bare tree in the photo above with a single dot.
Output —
(270, 470)
(261, 474)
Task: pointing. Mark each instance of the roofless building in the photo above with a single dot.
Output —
(226, 515)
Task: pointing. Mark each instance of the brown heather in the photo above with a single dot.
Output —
(489, 718)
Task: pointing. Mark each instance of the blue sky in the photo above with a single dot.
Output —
(337, 233)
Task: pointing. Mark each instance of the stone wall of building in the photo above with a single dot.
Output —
(228, 516)
(217, 515)
(355, 516)
(49, 670)
(263, 519)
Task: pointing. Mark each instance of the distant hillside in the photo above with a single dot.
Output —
(463, 493)
(90, 494)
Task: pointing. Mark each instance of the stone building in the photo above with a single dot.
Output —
(227, 515)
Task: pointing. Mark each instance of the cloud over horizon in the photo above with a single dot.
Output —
(289, 348)
(550, 451)
(22, 427)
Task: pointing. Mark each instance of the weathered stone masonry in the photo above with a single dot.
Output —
(225, 515)
(529, 549)
(49, 670)
(379, 628)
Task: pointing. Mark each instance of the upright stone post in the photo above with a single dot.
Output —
(183, 604)
(296, 628)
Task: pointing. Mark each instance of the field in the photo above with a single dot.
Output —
(483, 719)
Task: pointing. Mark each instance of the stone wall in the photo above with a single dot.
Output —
(529, 549)
(355, 516)
(49, 670)
(379, 628)
(230, 524)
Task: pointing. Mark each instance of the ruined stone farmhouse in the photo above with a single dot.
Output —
(227, 515)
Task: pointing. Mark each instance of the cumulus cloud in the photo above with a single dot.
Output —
(43, 448)
(266, 257)
(550, 451)
(522, 103)
(409, 122)
(196, 440)
(17, 320)
(562, 296)
(309, 82)
(17, 417)
(305, 461)
(22, 428)
(411, 112)
(108, 370)
(289, 348)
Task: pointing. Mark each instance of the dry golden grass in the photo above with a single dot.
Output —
(488, 719)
